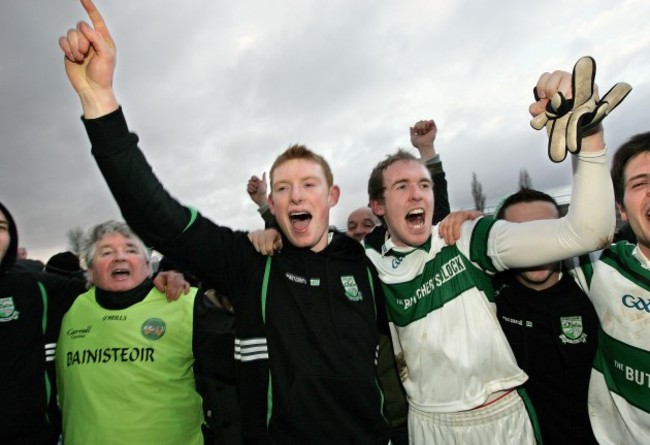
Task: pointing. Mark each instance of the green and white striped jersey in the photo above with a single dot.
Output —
(439, 297)
(439, 302)
(617, 282)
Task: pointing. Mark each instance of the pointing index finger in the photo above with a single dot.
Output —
(97, 21)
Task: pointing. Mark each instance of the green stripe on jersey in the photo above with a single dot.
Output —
(443, 278)
(587, 268)
(626, 370)
(620, 257)
(479, 244)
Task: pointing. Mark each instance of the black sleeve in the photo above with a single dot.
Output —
(380, 302)
(267, 216)
(215, 370)
(213, 340)
(208, 251)
(440, 194)
(144, 202)
(62, 291)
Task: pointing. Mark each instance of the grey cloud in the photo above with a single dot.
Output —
(216, 89)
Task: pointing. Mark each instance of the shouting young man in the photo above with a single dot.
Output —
(306, 319)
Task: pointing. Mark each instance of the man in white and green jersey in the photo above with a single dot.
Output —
(460, 373)
(617, 282)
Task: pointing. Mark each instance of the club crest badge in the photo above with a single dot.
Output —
(8, 310)
(153, 329)
(572, 330)
(351, 289)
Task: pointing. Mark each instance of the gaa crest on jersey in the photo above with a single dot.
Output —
(572, 330)
(153, 329)
(8, 310)
(351, 289)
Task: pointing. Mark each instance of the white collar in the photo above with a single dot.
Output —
(643, 260)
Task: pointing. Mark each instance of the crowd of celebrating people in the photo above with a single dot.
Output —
(416, 326)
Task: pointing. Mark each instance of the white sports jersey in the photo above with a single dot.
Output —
(439, 297)
(440, 305)
(619, 390)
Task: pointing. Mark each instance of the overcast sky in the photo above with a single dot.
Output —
(216, 89)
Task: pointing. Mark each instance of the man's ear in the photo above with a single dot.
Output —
(269, 200)
(335, 194)
(621, 210)
(377, 207)
(91, 279)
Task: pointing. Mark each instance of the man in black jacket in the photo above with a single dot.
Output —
(306, 318)
(31, 308)
(361, 223)
(552, 328)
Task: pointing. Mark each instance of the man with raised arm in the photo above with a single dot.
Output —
(459, 372)
(617, 282)
(461, 377)
(307, 334)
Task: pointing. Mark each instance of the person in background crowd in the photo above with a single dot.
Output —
(65, 264)
(25, 263)
(552, 328)
(361, 222)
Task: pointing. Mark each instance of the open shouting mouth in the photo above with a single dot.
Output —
(415, 218)
(300, 220)
(120, 273)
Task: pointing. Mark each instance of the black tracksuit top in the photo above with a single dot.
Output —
(558, 368)
(319, 320)
(32, 305)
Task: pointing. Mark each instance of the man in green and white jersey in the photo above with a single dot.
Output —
(617, 281)
(460, 372)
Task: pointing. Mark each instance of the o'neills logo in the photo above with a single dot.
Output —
(153, 329)
(78, 333)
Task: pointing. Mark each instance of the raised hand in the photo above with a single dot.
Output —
(423, 134)
(256, 189)
(568, 106)
(90, 63)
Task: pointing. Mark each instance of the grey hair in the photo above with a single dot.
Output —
(99, 231)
